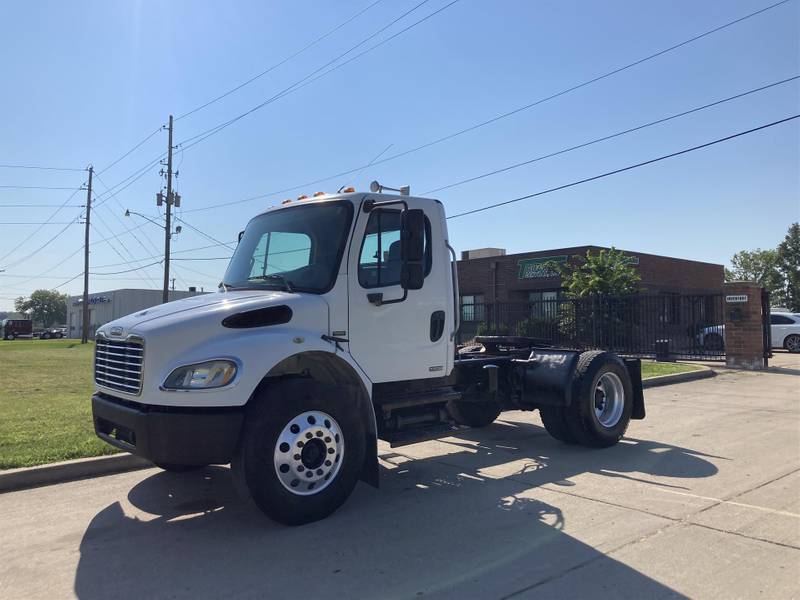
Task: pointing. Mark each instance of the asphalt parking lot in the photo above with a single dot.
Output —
(702, 500)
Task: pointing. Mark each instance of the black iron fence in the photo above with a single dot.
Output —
(664, 325)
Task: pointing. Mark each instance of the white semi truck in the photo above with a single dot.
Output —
(335, 326)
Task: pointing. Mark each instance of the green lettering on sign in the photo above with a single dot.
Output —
(535, 268)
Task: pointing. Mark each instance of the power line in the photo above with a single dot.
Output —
(280, 63)
(503, 115)
(623, 169)
(611, 136)
(38, 167)
(205, 235)
(158, 262)
(35, 187)
(39, 228)
(202, 136)
(41, 205)
(37, 222)
(40, 248)
(150, 135)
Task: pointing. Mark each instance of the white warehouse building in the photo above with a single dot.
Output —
(107, 306)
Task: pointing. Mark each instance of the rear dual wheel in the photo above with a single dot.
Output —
(601, 406)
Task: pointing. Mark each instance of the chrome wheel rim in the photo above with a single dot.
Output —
(609, 399)
(793, 343)
(309, 453)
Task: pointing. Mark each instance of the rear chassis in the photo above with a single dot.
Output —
(524, 374)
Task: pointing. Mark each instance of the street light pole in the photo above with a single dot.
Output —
(85, 328)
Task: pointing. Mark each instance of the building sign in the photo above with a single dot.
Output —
(631, 260)
(736, 298)
(536, 268)
(92, 300)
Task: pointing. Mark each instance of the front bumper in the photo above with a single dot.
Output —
(166, 434)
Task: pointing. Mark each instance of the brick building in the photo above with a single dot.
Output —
(490, 276)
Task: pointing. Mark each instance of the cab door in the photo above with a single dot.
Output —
(391, 338)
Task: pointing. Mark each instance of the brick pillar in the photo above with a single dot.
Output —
(744, 337)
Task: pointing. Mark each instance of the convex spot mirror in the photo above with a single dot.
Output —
(412, 248)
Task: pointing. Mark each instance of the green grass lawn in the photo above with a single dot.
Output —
(45, 403)
(655, 369)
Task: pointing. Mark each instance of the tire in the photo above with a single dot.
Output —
(792, 343)
(713, 342)
(599, 377)
(554, 419)
(44, 336)
(474, 414)
(173, 468)
(11, 337)
(301, 451)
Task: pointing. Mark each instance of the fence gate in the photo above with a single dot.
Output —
(674, 326)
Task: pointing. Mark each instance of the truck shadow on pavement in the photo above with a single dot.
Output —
(462, 523)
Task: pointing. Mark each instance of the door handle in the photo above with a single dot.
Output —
(437, 325)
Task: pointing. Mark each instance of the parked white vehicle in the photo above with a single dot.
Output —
(784, 330)
(334, 326)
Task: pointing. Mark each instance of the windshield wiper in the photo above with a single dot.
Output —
(276, 276)
(225, 286)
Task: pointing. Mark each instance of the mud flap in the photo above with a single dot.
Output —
(634, 366)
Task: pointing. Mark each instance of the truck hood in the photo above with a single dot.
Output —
(220, 303)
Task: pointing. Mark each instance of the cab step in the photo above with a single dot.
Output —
(421, 434)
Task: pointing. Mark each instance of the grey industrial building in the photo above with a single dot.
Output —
(107, 306)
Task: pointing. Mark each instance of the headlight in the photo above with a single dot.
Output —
(202, 376)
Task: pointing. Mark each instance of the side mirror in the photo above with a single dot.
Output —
(412, 235)
(412, 276)
(412, 248)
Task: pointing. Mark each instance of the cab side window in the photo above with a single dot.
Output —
(379, 263)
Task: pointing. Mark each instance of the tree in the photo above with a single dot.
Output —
(607, 273)
(44, 306)
(761, 267)
(789, 267)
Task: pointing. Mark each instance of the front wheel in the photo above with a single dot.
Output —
(301, 451)
(792, 343)
(44, 336)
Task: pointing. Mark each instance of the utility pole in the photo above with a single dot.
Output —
(85, 329)
(168, 218)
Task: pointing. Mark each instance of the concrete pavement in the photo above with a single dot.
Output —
(702, 499)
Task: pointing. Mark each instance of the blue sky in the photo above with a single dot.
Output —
(85, 81)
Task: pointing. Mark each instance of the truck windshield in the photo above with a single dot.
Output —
(294, 249)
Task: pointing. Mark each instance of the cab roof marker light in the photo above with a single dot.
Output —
(348, 190)
(287, 201)
(318, 194)
(303, 197)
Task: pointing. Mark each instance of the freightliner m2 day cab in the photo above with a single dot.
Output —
(335, 326)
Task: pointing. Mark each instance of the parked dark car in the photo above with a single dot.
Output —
(12, 329)
(49, 334)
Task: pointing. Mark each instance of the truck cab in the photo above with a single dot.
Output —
(334, 326)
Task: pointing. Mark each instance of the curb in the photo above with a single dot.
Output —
(703, 373)
(70, 470)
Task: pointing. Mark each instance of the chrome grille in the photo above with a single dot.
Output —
(118, 364)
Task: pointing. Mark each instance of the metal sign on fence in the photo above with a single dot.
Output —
(736, 298)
